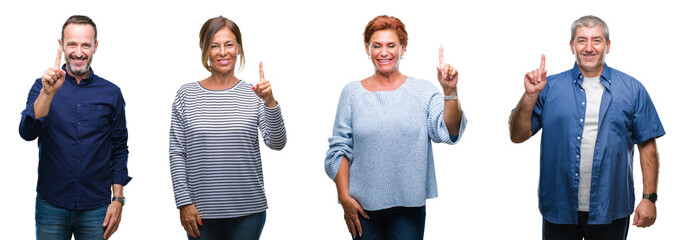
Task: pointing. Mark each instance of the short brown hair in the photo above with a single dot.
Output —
(80, 19)
(385, 22)
(211, 27)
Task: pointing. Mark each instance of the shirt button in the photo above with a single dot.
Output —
(583, 103)
(577, 138)
(577, 156)
(576, 174)
(581, 120)
(78, 105)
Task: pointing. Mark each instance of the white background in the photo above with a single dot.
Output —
(487, 185)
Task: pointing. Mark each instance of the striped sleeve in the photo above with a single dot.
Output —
(177, 152)
(272, 126)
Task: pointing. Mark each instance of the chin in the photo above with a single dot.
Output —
(224, 69)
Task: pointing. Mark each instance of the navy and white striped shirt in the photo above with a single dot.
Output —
(214, 152)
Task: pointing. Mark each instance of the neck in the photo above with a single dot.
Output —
(388, 79)
(79, 77)
(219, 78)
(592, 72)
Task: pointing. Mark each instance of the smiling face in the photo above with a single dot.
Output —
(79, 45)
(385, 51)
(223, 51)
(590, 46)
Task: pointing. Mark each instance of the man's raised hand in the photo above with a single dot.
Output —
(54, 77)
(535, 80)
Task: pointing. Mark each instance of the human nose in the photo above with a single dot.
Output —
(223, 50)
(79, 51)
(384, 51)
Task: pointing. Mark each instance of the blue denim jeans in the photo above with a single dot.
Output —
(240, 228)
(56, 223)
(617, 230)
(394, 224)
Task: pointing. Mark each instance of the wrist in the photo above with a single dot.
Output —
(270, 102)
(531, 97)
(47, 93)
(652, 197)
(121, 200)
(344, 198)
(449, 90)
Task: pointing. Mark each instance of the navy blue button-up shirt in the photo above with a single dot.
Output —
(627, 117)
(82, 146)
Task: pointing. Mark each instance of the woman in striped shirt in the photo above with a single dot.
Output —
(214, 153)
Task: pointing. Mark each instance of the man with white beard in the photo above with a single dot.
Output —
(78, 118)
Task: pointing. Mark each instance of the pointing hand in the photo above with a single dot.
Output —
(263, 89)
(54, 77)
(535, 80)
(446, 74)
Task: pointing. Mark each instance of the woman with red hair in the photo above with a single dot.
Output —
(380, 153)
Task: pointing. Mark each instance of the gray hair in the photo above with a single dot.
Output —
(590, 21)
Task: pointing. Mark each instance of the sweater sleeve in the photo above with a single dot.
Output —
(438, 131)
(177, 152)
(341, 141)
(271, 126)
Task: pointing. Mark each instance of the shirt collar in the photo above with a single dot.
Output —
(69, 77)
(605, 76)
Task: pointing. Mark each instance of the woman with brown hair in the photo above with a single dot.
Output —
(214, 152)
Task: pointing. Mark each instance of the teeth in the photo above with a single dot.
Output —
(383, 61)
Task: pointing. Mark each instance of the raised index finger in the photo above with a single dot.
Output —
(261, 72)
(58, 60)
(542, 61)
(440, 55)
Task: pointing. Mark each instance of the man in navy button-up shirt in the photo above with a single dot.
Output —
(78, 118)
(586, 187)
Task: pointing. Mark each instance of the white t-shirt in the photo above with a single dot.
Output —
(594, 93)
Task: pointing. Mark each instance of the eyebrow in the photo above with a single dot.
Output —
(380, 43)
(594, 37)
(229, 41)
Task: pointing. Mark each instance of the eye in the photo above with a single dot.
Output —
(214, 47)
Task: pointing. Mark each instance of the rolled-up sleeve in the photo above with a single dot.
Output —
(341, 141)
(30, 127)
(438, 131)
(120, 148)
